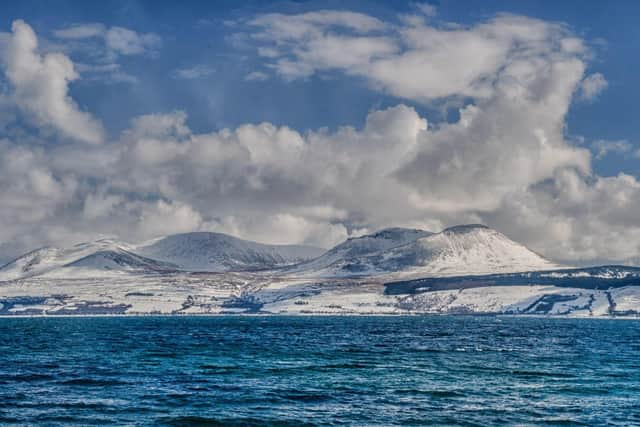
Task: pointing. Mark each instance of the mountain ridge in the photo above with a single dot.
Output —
(461, 249)
(109, 256)
(459, 270)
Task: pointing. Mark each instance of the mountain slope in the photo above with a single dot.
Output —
(84, 259)
(465, 249)
(347, 255)
(121, 260)
(47, 259)
(404, 253)
(469, 249)
(217, 252)
(211, 252)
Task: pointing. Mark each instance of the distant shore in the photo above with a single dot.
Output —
(496, 315)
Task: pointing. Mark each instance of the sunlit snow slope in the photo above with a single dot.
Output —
(462, 269)
(211, 252)
(216, 252)
(463, 249)
(84, 259)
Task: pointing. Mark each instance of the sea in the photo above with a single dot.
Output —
(319, 371)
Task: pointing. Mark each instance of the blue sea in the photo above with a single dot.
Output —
(324, 371)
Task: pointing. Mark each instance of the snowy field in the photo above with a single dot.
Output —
(220, 293)
(463, 269)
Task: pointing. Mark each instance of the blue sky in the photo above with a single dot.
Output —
(196, 35)
(341, 117)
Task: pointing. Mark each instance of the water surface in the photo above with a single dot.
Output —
(330, 371)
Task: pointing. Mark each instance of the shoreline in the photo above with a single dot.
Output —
(496, 315)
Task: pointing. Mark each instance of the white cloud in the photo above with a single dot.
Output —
(592, 86)
(505, 161)
(80, 31)
(160, 125)
(100, 48)
(118, 40)
(603, 147)
(162, 218)
(253, 179)
(587, 220)
(283, 228)
(108, 73)
(427, 9)
(521, 72)
(40, 85)
(282, 27)
(256, 76)
(416, 61)
(193, 73)
(128, 42)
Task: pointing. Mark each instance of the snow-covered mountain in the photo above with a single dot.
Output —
(115, 260)
(90, 258)
(463, 249)
(462, 269)
(466, 249)
(347, 257)
(211, 252)
(216, 252)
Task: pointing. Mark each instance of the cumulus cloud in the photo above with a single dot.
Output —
(40, 85)
(592, 86)
(283, 228)
(415, 61)
(589, 220)
(162, 218)
(504, 160)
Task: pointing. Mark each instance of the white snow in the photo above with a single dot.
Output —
(48, 259)
(217, 252)
(210, 273)
(183, 293)
(359, 247)
(211, 252)
(461, 250)
(627, 298)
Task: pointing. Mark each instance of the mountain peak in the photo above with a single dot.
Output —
(465, 228)
(196, 251)
(356, 248)
(392, 233)
(461, 249)
(47, 259)
(211, 251)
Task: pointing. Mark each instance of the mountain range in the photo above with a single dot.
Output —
(194, 252)
(393, 270)
(467, 249)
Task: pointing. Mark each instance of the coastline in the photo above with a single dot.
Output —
(264, 315)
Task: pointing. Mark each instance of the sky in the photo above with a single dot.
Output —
(311, 122)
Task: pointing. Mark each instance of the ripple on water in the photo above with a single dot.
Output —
(326, 371)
